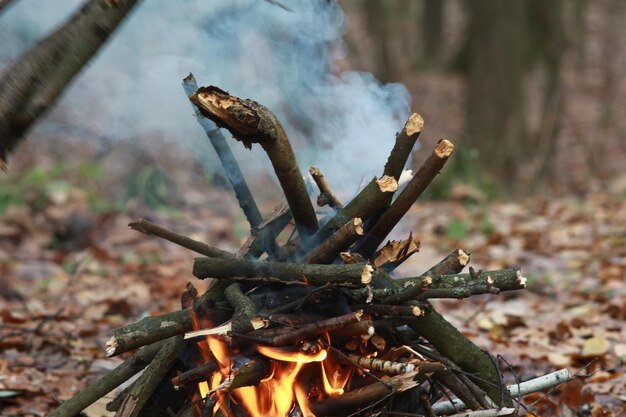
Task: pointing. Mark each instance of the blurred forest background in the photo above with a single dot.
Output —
(532, 89)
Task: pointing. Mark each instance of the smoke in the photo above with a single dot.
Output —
(343, 122)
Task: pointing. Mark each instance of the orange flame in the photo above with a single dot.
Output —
(279, 392)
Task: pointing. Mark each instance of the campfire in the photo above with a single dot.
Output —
(314, 325)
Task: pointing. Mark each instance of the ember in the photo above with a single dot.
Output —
(318, 327)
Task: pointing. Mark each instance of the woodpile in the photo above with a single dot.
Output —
(316, 325)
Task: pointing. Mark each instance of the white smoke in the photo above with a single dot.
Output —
(345, 123)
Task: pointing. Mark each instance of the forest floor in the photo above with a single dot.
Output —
(70, 275)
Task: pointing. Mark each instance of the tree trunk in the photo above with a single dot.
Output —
(35, 81)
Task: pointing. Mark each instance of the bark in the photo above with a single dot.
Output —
(229, 163)
(251, 122)
(263, 239)
(338, 242)
(149, 228)
(451, 264)
(405, 141)
(146, 384)
(195, 375)
(424, 176)
(108, 382)
(312, 274)
(155, 328)
(35, 81)
(391, 310)
(327, 196)
(245, 309)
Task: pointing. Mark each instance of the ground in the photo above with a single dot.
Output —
(72, 273)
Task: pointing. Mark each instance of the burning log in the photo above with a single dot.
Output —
(149, 228)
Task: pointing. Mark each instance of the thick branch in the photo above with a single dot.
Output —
(34, 82)
(313, 274)
(250, 122)
(107, 382)
(149, 228)
(338, 242)
(146, 384)
(424, 176)
(229, 163)
(327, 196)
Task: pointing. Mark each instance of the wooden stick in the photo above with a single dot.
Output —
(263, 239)
(451, 264)
(154, 328)
(528, 387)
(348, 402)
(108, 382)
(424, 176)
(391, 310)
(195, 375)
(338, 242)
(149, 228)
(355, 275)
(465, 285)
(245, 309)
(146, 384)
(306, 331)
(250, 122)
(327, 196)
(405, 141)
(229, 163)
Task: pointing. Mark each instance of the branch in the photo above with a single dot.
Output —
(327, 196)
(424, 176)
(229, 163)
(451, 264)
(34, 82)
(351, 401)
(245, 309)
(250, 122)
(516, 390)
(107, 382)
(148, 381)
(312, 274)
(338, 242)
(149, 228)
(405, 141)
(263, 239)
(465, 285)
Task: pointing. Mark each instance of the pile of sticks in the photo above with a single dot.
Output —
(329, 287)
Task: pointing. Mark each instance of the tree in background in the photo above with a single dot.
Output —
(35, 81)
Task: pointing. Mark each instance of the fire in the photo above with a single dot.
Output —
(278, 393)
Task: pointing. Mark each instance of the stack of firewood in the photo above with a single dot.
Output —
(324, 299)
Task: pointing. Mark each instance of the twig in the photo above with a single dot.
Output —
(528, 387)
(488, 413)
(451, 264)
(245, 309)
(327, 196)
(263, 239)
(356, 275)
(149, 228)
(250, 122)
(229, 163)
